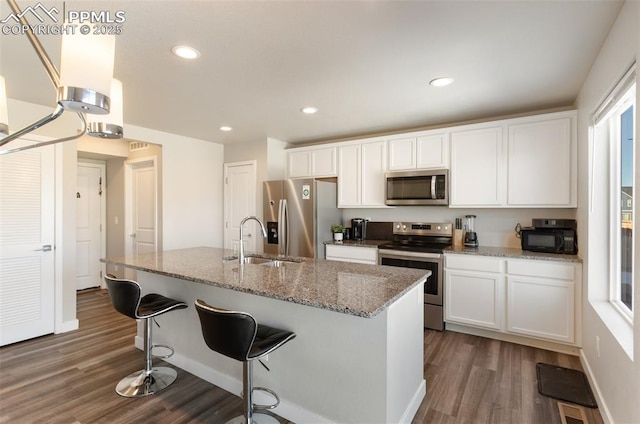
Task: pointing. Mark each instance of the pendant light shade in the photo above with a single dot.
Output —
(109, 126)
(86, 71)
(4, 114)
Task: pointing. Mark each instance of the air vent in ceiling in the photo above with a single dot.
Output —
(137, 145)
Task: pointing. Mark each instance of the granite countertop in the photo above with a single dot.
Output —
(359, 243)
(513, 253)
(354, 289)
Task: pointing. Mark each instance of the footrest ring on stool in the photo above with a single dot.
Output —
(269, 391)
(162, 356)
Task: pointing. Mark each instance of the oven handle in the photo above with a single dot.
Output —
(403, 255)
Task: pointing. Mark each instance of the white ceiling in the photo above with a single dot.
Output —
(365, 64)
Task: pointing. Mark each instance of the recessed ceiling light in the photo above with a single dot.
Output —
(225, 128)
(441, 82)
(185, 52)
(309, 110)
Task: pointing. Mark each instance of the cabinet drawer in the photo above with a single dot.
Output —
(363, 255)
(541, 269)
(474, 263)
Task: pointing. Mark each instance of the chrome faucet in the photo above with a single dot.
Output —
(241, 247)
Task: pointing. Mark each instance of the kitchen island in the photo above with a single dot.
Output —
(358, 354)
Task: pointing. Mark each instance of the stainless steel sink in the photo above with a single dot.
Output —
(256, 260)
(276, 263)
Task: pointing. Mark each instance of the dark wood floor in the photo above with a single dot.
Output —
(70, 378)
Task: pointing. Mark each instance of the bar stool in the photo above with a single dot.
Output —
(238, 335)
(126, 298)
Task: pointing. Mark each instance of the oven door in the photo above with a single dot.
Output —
(433, 287)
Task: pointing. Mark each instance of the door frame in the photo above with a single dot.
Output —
(254, 164)
(93, 163)
(128, 199)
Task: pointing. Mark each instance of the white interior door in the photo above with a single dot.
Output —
(240, 202)
(141, 206)
(89, 225)
(27, 196)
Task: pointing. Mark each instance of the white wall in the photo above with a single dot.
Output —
(616, 376)
(192, 203)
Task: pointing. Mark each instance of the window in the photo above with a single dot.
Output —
(616, 121)
(623, 237)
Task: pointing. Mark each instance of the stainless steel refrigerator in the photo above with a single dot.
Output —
(298, 215)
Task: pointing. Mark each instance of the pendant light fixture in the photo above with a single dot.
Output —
(4, 113)
(109, 126)
(84, 85)
(86, 71)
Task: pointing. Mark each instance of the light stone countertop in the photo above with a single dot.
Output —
(513, 253)
(349, 288)
(364, 243)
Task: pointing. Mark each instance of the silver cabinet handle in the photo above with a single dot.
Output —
(45, 248)
(132, 235)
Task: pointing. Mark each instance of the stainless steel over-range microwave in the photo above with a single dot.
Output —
(426, 187)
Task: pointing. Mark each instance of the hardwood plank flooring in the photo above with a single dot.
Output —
(70, 379)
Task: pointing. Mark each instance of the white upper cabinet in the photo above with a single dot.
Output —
(402, 154)
(541, 163)
(361, 169)
(428, 149)
(519, 162)
(318, 162)
(477, 167)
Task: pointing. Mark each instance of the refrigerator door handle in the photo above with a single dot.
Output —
(285, 227)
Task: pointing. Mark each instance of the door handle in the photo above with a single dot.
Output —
(45, 248)
(132, 235)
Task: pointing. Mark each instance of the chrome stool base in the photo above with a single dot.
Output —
(140, 383)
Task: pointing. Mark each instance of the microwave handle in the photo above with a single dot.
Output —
(559, 242)
(433, 187)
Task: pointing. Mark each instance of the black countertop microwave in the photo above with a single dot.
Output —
(550, 236)
(417, 188)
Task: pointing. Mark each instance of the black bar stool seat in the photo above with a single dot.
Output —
(238, 335)
(126, 298)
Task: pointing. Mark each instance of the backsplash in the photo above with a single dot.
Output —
(495, 227)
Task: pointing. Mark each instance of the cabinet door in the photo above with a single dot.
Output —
(402, 154)
(374, 165)
(541, 307)
(432, 151)
(474, 298)
(539, 163)
(299, 165)
(477, 165)
(349, 176)
(323, 162)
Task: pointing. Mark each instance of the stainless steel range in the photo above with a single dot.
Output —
(420, 245)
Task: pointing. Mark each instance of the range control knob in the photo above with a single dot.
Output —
(404, 227)
(439, 228)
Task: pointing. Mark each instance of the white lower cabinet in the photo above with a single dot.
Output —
(532, 298)
(360, 255)
(474, 291)
(541, 300)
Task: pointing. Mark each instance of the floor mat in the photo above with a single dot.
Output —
(565, 384)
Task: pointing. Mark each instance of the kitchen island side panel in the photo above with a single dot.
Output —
(340, 368)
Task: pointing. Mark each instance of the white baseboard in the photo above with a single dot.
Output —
(65, 326)
(413, 406)
(602, 406)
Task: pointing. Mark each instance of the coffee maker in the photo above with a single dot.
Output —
(358, 229)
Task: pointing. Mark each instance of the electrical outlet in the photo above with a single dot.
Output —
(598, 346)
